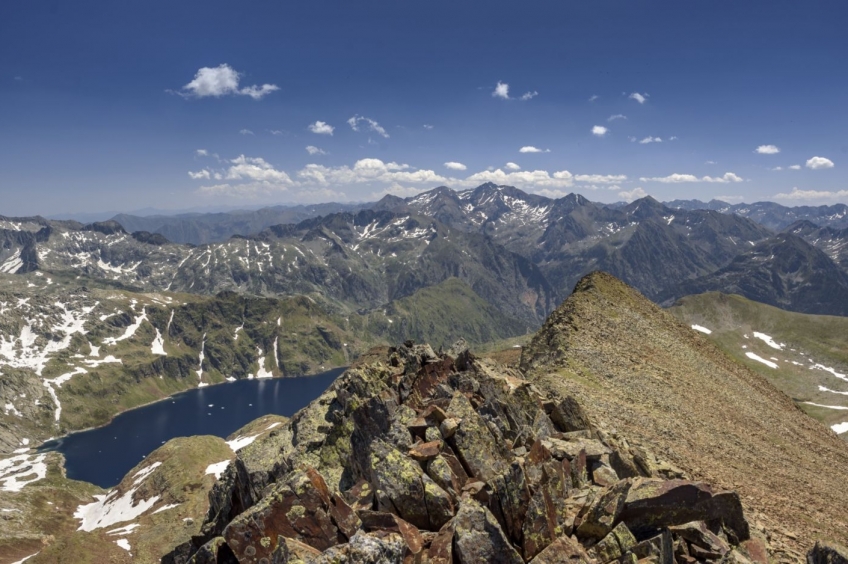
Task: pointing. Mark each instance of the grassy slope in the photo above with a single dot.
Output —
(821, 338)
(641, 372)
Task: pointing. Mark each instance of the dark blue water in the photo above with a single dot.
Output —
(102, 456)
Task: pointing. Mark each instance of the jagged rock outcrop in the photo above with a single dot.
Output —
(442, 458)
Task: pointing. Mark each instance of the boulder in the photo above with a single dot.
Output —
(400, 485)
(653, 504)
(659, 548)
(568, 415)
(479, 538)
(827, 553)
(299, 508)
(605, 511)
(475, 446)
(698, 534)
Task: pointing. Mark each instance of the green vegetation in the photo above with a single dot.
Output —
(809, 340)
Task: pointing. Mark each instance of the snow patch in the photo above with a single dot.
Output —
(124, 543)
(701, 329)
(240, 442)
(106, 511)
(125, 530)
(769, 341)
(17, 471)
(840, 428)
(218, 468)
(166, 508)
(753, 356)
(838, 407)
(158, 345)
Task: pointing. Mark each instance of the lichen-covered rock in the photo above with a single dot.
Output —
(479, 538)
(299, 508)
(401, 485)
(604, 512)
(431, 461)
(615, 544)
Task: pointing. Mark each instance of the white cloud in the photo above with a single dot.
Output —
(277, 132)
(673, 138)
(599, 130)
(367, 171)
(593, 97)
(777, 168)
(222, 80)
(797, 194)
(501, 91)
(524, 178)
(428, 126)
(795, 167)
(631, 195)
(650, 139)
(710, 162)
(529, 95)
(202, 153)
(455, 166)
(730, 199)
(641, 98)
(767, 150)
(532, 149)
(355, 122)
(203, 174)
(616, 116)
(512, 166)
(313, 150)
(817, 163)
(601, 178)
(680, 178)
(321, 128)
(246, 132)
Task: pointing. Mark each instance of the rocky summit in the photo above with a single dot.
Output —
(445, 457)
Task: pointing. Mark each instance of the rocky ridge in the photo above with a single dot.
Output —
(427, 457)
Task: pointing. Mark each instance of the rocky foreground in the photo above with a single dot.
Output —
(445, 458)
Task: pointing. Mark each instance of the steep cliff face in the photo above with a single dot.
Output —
(425, 457)
(652, 378)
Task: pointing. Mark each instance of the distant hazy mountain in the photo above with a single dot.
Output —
(521, 253)
(832, 241)
(783, 271)
(772, 215)
(200, 228)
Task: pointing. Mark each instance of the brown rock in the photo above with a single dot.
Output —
(699, 535)
(290, 551)
(298, 508)
(652, 504)
(571, 449)
(425, 451)
(603, 475)
(441, 549)
(475, 446)
(564, 550)
(448, 427)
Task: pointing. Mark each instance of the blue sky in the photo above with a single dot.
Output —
(126, 105)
